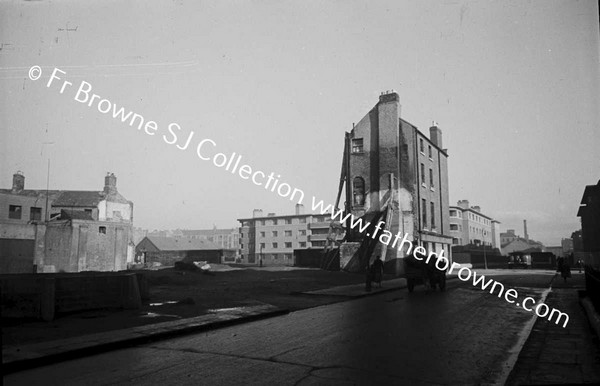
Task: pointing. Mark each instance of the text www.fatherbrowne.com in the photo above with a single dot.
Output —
(271, 182)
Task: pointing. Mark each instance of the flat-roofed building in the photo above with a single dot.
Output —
(469, 226)
(272, 239)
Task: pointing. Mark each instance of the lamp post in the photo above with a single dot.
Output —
(261, 256)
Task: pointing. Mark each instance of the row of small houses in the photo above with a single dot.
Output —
(165, 251)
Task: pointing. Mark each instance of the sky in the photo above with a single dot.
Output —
(514, 86)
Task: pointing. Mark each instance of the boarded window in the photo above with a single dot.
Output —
(358, 189)
(35, 213)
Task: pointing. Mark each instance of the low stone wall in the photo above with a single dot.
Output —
(43, 296)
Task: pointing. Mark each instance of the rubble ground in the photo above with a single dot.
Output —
(176, 294)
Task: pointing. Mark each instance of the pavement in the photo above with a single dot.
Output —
(556, 355)
(551, 353)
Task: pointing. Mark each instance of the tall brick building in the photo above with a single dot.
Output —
(390, 155)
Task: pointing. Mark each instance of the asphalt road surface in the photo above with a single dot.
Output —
(461, 336)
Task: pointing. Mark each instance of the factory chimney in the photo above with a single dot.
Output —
(525, 230)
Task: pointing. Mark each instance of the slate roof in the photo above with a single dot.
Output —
(30, 192)
(78, 198)
(75, 215)
(85, 198)
(181, 244)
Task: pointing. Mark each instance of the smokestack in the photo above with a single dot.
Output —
(525, 230)
(299, 209)
(435, 135)
(110, 183)
(18, 182)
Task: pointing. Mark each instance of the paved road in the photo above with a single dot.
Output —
(462, 336)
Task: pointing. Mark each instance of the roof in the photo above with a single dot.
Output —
(327, 214)
(181, 243)
(85, 198)
(588, 194)
(474, 211)
(75, 215)
(73, 198)
(590, 191)
(208, 232)
(29, 192)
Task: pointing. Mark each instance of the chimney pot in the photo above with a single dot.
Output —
(110, 183)
(18, 182)
(435, 135)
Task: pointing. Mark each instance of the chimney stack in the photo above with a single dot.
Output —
(18, 182)
(110, 183)
(299, 209)
(257, 213)
(435, 135)
(525, 230)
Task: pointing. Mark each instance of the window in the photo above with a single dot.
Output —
(430, 152)
(288, 233)
(116, 214)
(102, 230)
(431, 177)
(35, 213)
(357, 145)
(262, 222)
(262, 234)
(432, 205)
(262, 245)
(453, 227)
(274, 222)
(358, 189)
(455, 241)
(423, 173)
(302, 232)
(14, 211)
(288, 256)
(302, 244)
(452, 213)
(274, 245)
(288, 220)
(288, 245)
(274, 233)
(424, 209)
(421, 145)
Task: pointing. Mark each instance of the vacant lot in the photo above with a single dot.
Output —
(182, 294)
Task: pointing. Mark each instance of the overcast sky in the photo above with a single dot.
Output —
(514, 86)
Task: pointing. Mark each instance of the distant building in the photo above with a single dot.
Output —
(169, 250)
(469, 226)
(272, 239)
(556, 250)
(567, 246)
(225, 238)
(69, 231)
(508, 236)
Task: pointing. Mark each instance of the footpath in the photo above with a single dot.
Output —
(556, 355)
